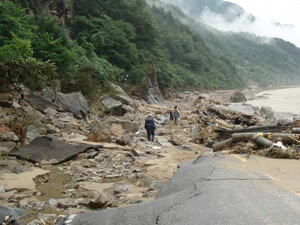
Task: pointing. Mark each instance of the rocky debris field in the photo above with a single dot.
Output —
(57, 158)
(106, 161)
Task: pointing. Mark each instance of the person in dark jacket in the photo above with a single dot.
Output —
(150, 127)
(170, 112)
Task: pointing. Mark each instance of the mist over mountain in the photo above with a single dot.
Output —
(261, 59)
(198, 9)
(227, 16)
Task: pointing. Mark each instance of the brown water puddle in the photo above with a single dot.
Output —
(54, 187)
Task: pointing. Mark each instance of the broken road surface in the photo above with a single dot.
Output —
(208, 190)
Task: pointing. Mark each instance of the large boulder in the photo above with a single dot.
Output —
(124, 140)
(116, 129)
(113, 106)
(238, 96)
(40, 103)
(130, 126)
(127, 109)
(101, 134)
(75, 103)
(48, 93)
(10, 215)
(122, 96)
(268, 114)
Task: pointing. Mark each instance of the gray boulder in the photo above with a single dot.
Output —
(268, 114)
(124, 140)
(75, 103)
(32, 133)
(127, 109)
(12, 213)
(7, 146)
(40, 103)
(48, 93)
(113, 106)
(238, 96)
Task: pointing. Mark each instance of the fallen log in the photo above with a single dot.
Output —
(221, 145)
(261, 141)
(286, 138)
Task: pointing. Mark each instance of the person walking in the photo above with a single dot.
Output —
(150, 127)
(176, 114)
(171, 115)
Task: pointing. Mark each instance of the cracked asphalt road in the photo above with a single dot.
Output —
(208, 191)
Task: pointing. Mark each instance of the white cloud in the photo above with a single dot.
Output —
(261, 26)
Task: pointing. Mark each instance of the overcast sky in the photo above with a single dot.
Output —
(282, 11)
(266, 12)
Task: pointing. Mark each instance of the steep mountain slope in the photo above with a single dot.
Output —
(89, 43)
(263, 60)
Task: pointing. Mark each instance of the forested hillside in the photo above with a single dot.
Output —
(87, 43)
(267, 61)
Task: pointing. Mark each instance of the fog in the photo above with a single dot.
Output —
(261, 26)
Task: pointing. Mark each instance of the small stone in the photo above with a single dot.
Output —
(140, 176)
(69, 191)
(120, 190)
(67, 203)
(20, 169)
(113, 176)
(134, 153)
(100, 201)
(2, 190)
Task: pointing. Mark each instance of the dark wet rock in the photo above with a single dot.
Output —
(74, 103)
(113, 106)
(51, 149)
(12, 213)
(67, 203)
(48, 93)
(238, 96)
(40, 103)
